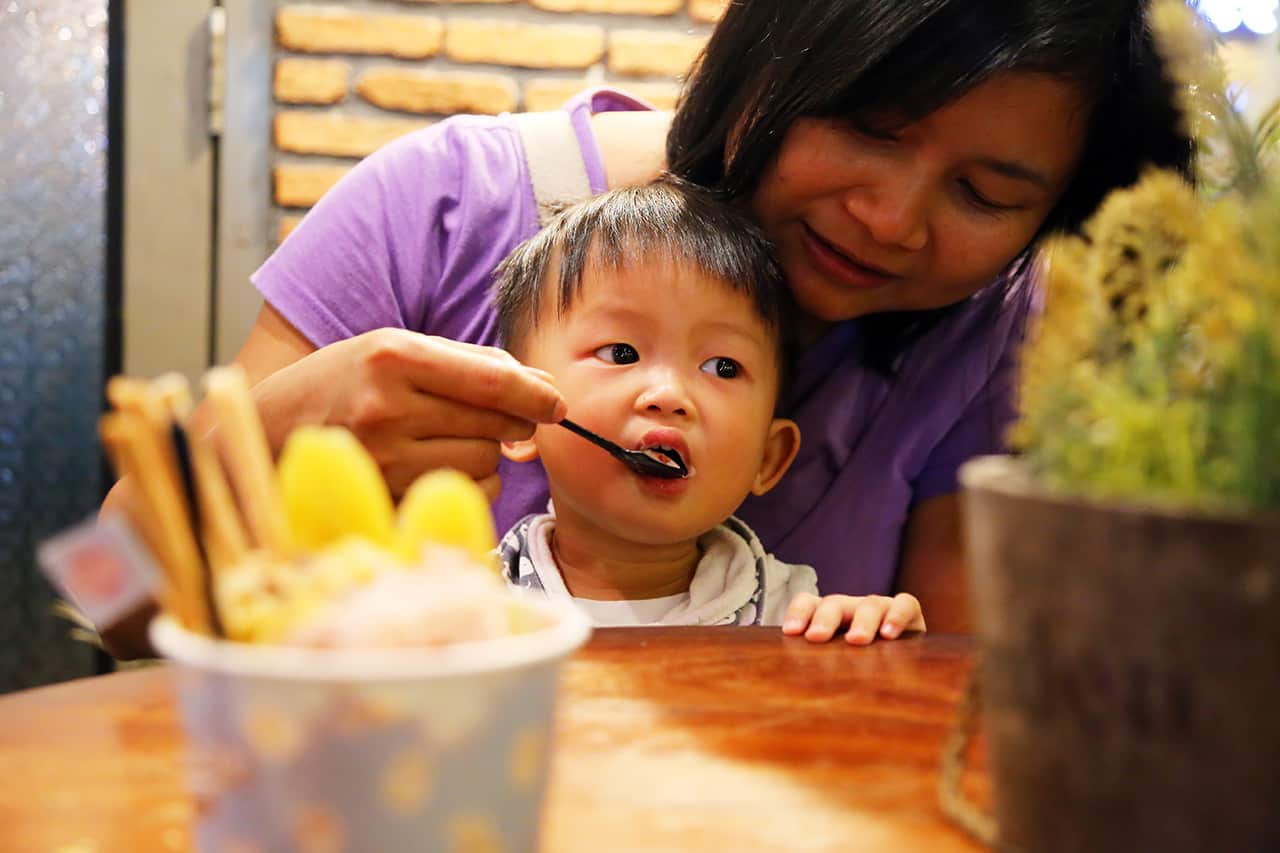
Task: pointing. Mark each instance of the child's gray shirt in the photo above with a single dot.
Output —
(735, 583)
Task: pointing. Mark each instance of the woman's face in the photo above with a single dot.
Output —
(923, 216)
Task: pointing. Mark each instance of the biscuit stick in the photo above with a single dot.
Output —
(148, 434)
(244, 443)
(113, 431)
(147, 453)
(221, 528)
(173, 390)
(226, 540)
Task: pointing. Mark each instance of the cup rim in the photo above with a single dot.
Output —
(568, 630)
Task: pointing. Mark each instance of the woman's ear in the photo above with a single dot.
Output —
(520, 451)
(780, 450)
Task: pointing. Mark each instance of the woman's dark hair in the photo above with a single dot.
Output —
(770, 62)
(669, 218)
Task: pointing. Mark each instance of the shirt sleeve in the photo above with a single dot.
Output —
(367, 255)
(984, 423)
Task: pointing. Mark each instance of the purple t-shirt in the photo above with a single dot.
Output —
(410, 239)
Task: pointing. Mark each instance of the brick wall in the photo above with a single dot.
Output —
(351, 76)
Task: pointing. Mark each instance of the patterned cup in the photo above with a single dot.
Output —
(409, 749)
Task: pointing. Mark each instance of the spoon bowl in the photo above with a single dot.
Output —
(642, 462)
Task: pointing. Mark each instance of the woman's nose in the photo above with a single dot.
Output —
(664, 393)
(893, 212)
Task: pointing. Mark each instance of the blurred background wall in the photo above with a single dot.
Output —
(54, 295)
(349, 77)
(297, 93)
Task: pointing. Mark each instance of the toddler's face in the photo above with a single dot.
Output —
(660, 355)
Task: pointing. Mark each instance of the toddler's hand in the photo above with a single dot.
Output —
(866, 615)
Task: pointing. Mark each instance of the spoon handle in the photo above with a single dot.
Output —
(599, 441)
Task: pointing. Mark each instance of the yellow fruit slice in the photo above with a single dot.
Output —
(332, 489)
(446, 507)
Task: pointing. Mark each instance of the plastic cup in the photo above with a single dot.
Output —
(303, 749)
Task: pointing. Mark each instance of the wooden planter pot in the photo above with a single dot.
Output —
(1130, 673)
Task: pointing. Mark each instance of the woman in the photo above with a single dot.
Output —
(903, 155)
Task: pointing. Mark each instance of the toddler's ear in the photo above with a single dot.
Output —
(520, 451)
(780, 451)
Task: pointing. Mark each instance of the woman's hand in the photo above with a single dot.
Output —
(865, 615)
(416, 402)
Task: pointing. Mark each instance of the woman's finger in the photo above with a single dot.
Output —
(498, 353)
(427, 416)
(831, 615)
(403, 462)
(479, 349)
(492, 487)
(799, 612)
(866, 621)
(482, 380)
(379, 412)
(904, 614)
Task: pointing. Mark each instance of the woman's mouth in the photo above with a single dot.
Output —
(844, 268)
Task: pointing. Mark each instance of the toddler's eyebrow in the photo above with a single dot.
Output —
(735, 329)
(642, 319)
(617, 313)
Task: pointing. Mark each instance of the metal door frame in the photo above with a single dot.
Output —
(244, 236)
(196, 195)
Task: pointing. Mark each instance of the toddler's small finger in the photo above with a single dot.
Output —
(904, 615)
(830, 615)
(866, 621)
(799, 612)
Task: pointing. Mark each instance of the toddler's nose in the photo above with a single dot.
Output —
(665, 394)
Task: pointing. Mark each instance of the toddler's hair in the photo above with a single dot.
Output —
(668, 218)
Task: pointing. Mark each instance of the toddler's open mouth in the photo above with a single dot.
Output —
(668, 447)
(667, 456)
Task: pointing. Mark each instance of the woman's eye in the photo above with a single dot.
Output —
(982, 202)
(725, 368)
(618, 354)
(872, 131)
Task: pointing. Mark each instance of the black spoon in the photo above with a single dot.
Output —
(640, 461)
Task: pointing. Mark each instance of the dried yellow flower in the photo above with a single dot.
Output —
(1154, 372)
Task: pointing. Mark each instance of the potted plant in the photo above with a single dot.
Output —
(1125, 564)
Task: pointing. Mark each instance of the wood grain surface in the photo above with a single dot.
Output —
(668, 739)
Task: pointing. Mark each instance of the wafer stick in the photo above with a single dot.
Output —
(221, 528)
(150, 465)
(240, 433)
(153, 443)
(137, 508)
(174, 392)
(218, 532)
(155, 471)
(226, 540)
(129, 394)
(187, 478)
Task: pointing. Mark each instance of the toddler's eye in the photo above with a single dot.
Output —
(618, 354)
(725, 368)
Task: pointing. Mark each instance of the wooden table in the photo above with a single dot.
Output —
(668, 739)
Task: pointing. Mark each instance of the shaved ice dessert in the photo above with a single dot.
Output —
(376, 686)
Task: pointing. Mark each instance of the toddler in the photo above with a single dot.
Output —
(664, 318)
